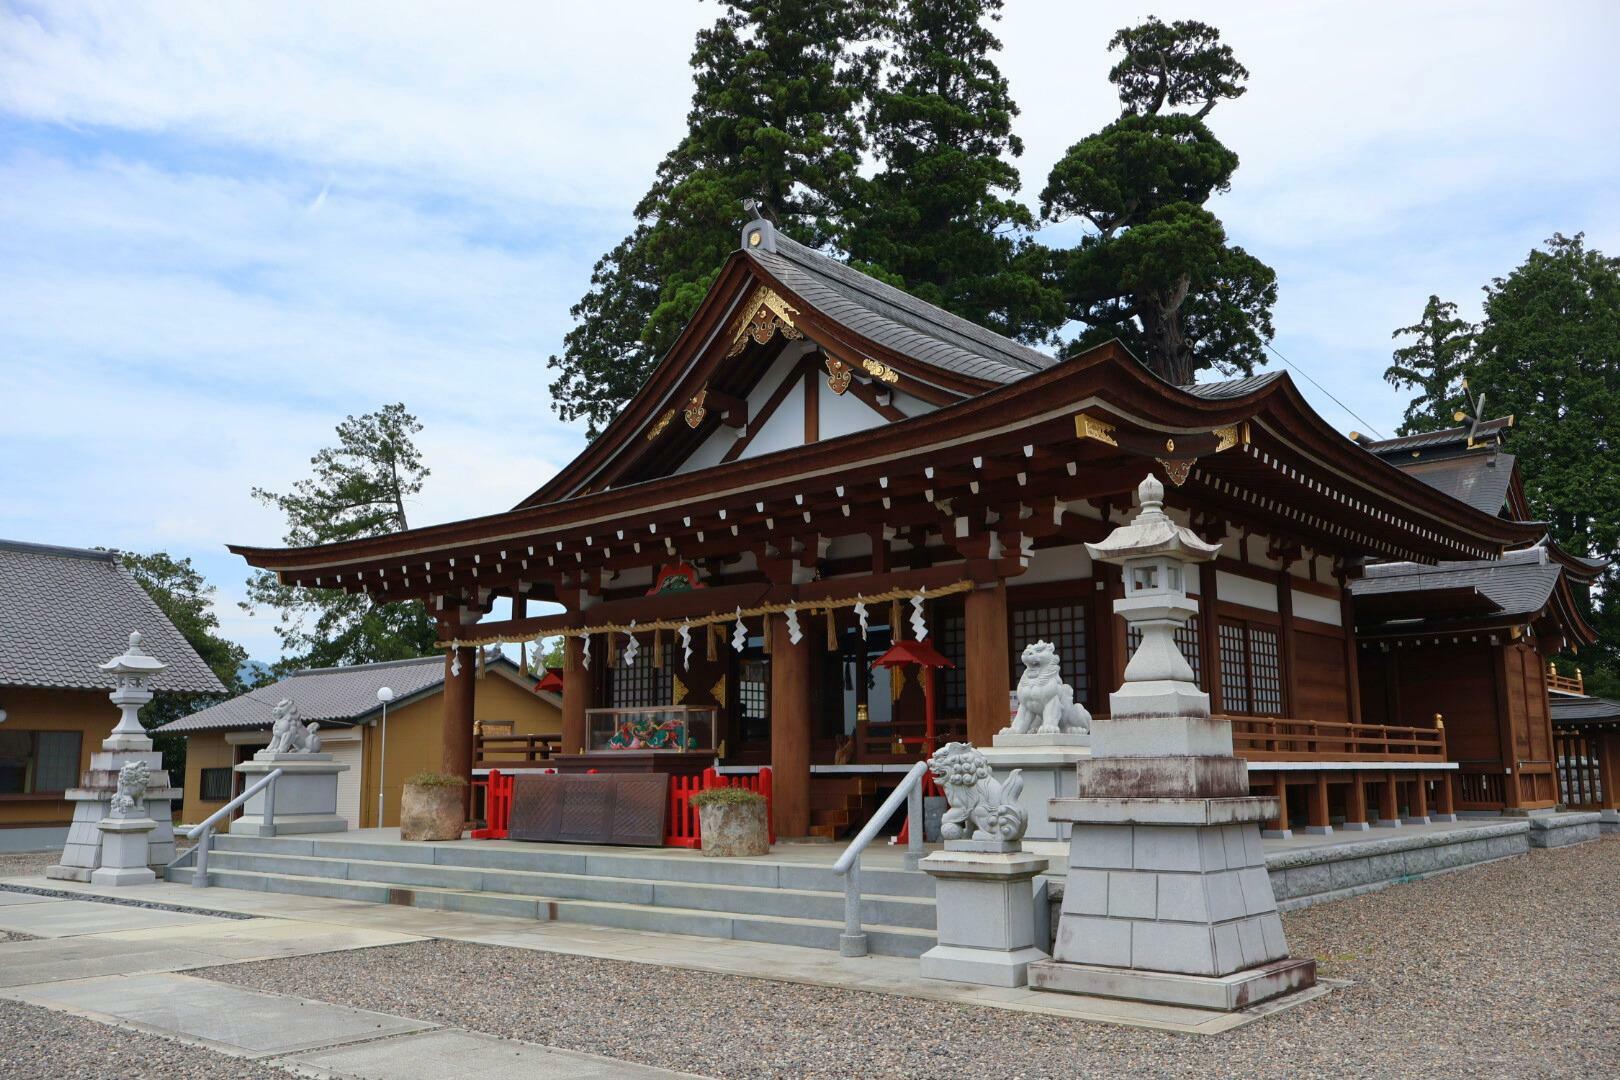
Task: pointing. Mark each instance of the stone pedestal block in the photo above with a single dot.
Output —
(124, 852)
(1175, 889)
(985, 903)
(1048, 763)
(305, 796)
(82, 855)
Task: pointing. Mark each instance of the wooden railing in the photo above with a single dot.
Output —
(1581, 779)
(508, 751)
(1264, 738)
(1568, 684)
(1481, 785)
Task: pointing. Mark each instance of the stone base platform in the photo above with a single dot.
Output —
(1561, 830)
(1226, 993)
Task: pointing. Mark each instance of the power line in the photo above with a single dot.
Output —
(1325, 390)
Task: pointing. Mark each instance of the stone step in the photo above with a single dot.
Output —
(917, 912)
(700, 922)
(753, 872)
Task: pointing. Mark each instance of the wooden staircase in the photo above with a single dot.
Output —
(839, 802)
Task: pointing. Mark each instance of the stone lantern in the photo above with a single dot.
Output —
(1167, 898)
(122, 830)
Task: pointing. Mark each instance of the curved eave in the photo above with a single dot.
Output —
(1106, 378)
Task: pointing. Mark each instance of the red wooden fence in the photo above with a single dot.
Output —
(681, 826)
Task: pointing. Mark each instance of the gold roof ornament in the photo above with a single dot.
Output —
(658, 428)
(1087, 426)
(880, 372)
(695, 411)
(838, 375)
(764, 315)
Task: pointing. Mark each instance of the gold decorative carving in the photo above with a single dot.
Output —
(1176, 470)
(1169, 446)
(838, 375)
(695, 411)
(763, 317)
(658, 428)
(1089, 427)
(718, 692)
(880, 372)
(1228, 437)
(678, 691)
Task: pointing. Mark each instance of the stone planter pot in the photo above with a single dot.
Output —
(431, 813)
(735, 829)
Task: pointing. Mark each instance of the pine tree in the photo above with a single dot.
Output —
(358, 489)
(779, 90)
(939, 219)
(1548, 352)
(1435, 362)
(1156, 269)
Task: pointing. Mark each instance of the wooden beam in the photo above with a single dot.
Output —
(986, 662)
(577, 694)
(460, 681)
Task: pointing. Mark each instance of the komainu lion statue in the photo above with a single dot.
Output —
(1045, 702)
(289, 734)
(978, 801)
(130, 799)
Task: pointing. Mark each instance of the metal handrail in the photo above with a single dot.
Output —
(852, 942)
(203, 834)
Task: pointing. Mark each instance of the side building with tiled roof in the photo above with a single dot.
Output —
(344, 702)
(63, 611)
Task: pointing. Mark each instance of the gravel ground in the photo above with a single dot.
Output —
(39, 1044)
(1503, 969)
(27, 864)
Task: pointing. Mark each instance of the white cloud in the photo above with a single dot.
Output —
(227, 225)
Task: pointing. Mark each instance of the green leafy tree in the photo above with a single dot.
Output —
(939, 219)
(357, 489)
(1435, 363)
(779, 90)
(1155, 268)
(1548, 352)
(183, 595)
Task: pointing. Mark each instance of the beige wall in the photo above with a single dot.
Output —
(204, 750)
(416, 737)
(44, 709)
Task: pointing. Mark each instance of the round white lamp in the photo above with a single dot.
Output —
(385, 694)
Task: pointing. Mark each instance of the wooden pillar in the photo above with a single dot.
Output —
(460, 680)
(1320, 824)
(1608, 756)
(1209, 636)
(1418, 807)
(1278, 826)
(576, 695)
(988, 678)
(790, 729)
(1506, 746)
(1355, 804)
(1285, 641)
(1352, 663)
(1389, 809)
(1445, 796)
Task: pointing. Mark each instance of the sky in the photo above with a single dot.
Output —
(225, 226)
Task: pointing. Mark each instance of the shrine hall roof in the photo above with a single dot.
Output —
(895, 318)
(1519, 583)
(65, 611)
(1481, 480)
(1577, 711)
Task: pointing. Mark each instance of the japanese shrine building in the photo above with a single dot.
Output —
(823, 464)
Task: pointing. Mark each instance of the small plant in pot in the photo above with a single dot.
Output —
(431, 807)
(732, 821)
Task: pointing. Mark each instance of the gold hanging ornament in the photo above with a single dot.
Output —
(894, 621)
(711, 650)
(832, 630)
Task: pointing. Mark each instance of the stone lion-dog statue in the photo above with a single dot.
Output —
(289, 734)
(1046, 703)
(978, 801)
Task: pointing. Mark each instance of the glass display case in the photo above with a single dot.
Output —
(674, 728)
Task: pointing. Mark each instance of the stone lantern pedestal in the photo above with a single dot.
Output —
(985, 899)
(1167, 899)
(139, 837)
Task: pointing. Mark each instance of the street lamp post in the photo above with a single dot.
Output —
(385, 694)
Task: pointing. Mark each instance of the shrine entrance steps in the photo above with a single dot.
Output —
(795, 900)
(839, 803)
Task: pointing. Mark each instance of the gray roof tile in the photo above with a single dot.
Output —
(335, 696)
(1480, 480)
(1574, 709)
(1520, 582)
(65, 611)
